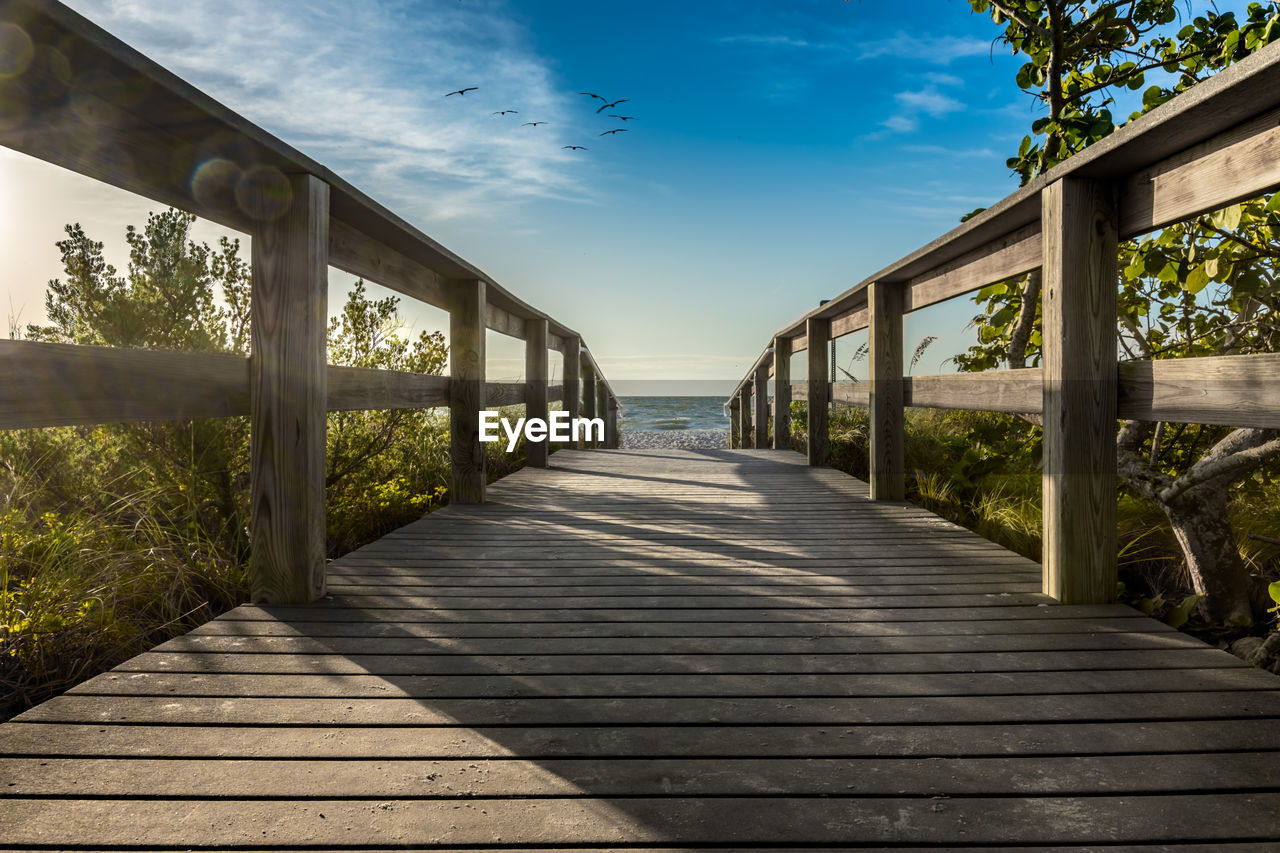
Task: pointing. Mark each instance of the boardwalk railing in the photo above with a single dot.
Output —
(90, 103)
(1212, 146)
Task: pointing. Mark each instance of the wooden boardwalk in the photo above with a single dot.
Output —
(662, 649)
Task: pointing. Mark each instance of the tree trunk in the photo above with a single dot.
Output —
(1199, 520)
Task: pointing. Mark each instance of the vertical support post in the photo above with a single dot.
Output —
(735, 422)
(588, 395)
(602, 409)
(611, 425)
(289, 311)
(819, 334)
(535, 385)
(573, 378)
(762, 404)
(466, 392)
(888, 477)
(1079, 224)
(744, 413)
(781, 393)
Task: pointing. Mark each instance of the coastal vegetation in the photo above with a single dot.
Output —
(116, 537)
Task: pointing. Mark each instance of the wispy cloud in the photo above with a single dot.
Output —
(929, 101)
(365, 93)
(942, 150)
(934, 50)
(940, 79)
(777, 40)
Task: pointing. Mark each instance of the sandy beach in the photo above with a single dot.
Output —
(684, 439)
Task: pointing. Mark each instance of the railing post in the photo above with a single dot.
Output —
(611, 425)
(884, 303)
(602, 409)
(744, 415)
(735, 422)
(466, 392)
(819, 334)
(290, 259)
(588, 396)
(1078, 221)
(535, 387)
(781, 393)
(762, 404)
(573, 379)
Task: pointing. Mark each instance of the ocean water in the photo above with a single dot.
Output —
(660, 414)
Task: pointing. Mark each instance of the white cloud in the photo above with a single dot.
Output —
(978, 153)
(929, 101)
(935, 50)
(940, 79)
(362, 90)
(901, 123)
(772, 41)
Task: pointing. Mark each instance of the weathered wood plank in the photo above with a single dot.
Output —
(1233, 390)
(535, 391)
(467, 388)
(781, 393)
(504, 393)
(572, 396)
(288, 390)
(1011, 255)
(1079, 410)
(995, 391)
(850, 321)
(352, 388)
(888, 426)
(590, 394)
(818, 334)
(760, 395)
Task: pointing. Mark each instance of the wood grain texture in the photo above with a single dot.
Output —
(611, 425)
(361, 254)
(46, 384)
(745, 430)
(850, 393)
(704, 657)
(1239, 164)
(1232, 390)
(535, 389)
(760, 396)
(1006, 257)
(288, 394)
(1079, 409)
(353, 388)
(735, 423)
(602, 410)
(849, 322)
(818, 334)
(799, 343)
(781, 393)
(590, 394)
(504, 394)
(572, 396)
(993, 391)
(888, 427)
(467, 394)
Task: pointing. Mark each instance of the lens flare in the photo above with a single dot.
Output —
(213, 183)
(263, 193)
(16, 50)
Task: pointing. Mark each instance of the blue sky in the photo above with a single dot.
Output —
(780, 152)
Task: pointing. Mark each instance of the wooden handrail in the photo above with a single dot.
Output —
(124, 120)
(1211, 146)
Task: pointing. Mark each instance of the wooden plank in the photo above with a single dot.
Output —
(850, 321)
(760, 394)
(1231, 390)
(46, 384)
(589, 394)
(503, 321)
(744, 418)
(818, 334)
(360, 254)
(504, 393)
(555, 394)
(288, 391)
(1079, 309)
(1239, 164)
(535, 392)
(1006, 257)
(781, 393)
(602, 410)
(467, 395)
(850, 393)
(735, 422)
(799, 343)
(353, 388)
(572, 396)
(993, 391)
(887, 477)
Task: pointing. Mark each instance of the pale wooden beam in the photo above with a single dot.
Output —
(887, 478)
(290, 257)
(1079, 310)
(467, 392)
(735, 422)
(781, 393)
(588, 395)
(744, 416)
(535, 389)
(602, 409)
(572, 378)
(818, 334)
(761, 393)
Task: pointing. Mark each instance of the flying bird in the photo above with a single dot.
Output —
(623, 118)
(574, 147)
(615, 130)
(533, 123)
(503, 112)
(592, 94)
(463, 91)
(611, 106)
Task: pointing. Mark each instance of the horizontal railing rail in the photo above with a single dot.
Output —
(88, 102)
(1212, 146)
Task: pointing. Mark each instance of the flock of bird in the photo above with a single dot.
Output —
(607, 105)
